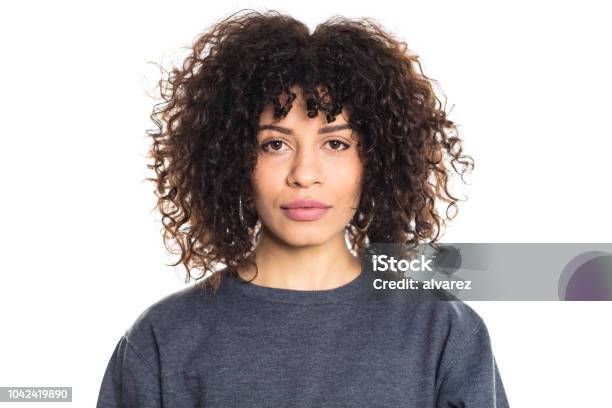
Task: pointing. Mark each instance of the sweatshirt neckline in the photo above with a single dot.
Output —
(305, 297)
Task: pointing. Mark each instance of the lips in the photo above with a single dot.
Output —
(305, 203)
(305, 210)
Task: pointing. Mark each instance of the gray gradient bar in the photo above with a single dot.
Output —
(35, 394)
(502, 271)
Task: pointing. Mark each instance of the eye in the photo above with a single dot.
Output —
(336, 143)
(274, 144)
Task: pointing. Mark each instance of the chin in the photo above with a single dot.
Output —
(307, 236)
(295, 238)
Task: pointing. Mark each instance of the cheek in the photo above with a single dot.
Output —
(348, 176)
(265, 181)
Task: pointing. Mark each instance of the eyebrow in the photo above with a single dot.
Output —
(323, 130)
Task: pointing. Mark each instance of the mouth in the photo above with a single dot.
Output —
(305, 213)
(304, 209)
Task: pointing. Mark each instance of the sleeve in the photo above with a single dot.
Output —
(471, 378)
(129, 380)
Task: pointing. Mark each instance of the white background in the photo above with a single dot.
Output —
(81, 251)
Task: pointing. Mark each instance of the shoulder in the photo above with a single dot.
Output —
(453, 318)
(177, 315)
(433, 311)
(452, 331)
(447, 324)
(459, 314)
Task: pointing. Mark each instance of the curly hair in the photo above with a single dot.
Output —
(205, 145)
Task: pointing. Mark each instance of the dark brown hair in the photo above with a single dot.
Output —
(205, 145)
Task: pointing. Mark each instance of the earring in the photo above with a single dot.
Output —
(371, 217)
(364, 229)
(240, 214)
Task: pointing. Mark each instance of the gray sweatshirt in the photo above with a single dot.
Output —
(352, 346)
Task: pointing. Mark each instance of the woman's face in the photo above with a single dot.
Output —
(306, 158)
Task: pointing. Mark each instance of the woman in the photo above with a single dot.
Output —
(275, 147)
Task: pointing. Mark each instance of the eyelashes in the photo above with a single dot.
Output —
(265, 147)
(274, 145)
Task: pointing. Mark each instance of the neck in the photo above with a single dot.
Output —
(311, 267)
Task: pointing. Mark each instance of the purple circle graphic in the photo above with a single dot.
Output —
(587, 277)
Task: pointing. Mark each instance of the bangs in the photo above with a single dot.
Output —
(324, 80)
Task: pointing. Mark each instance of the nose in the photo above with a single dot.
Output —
(306, 168)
